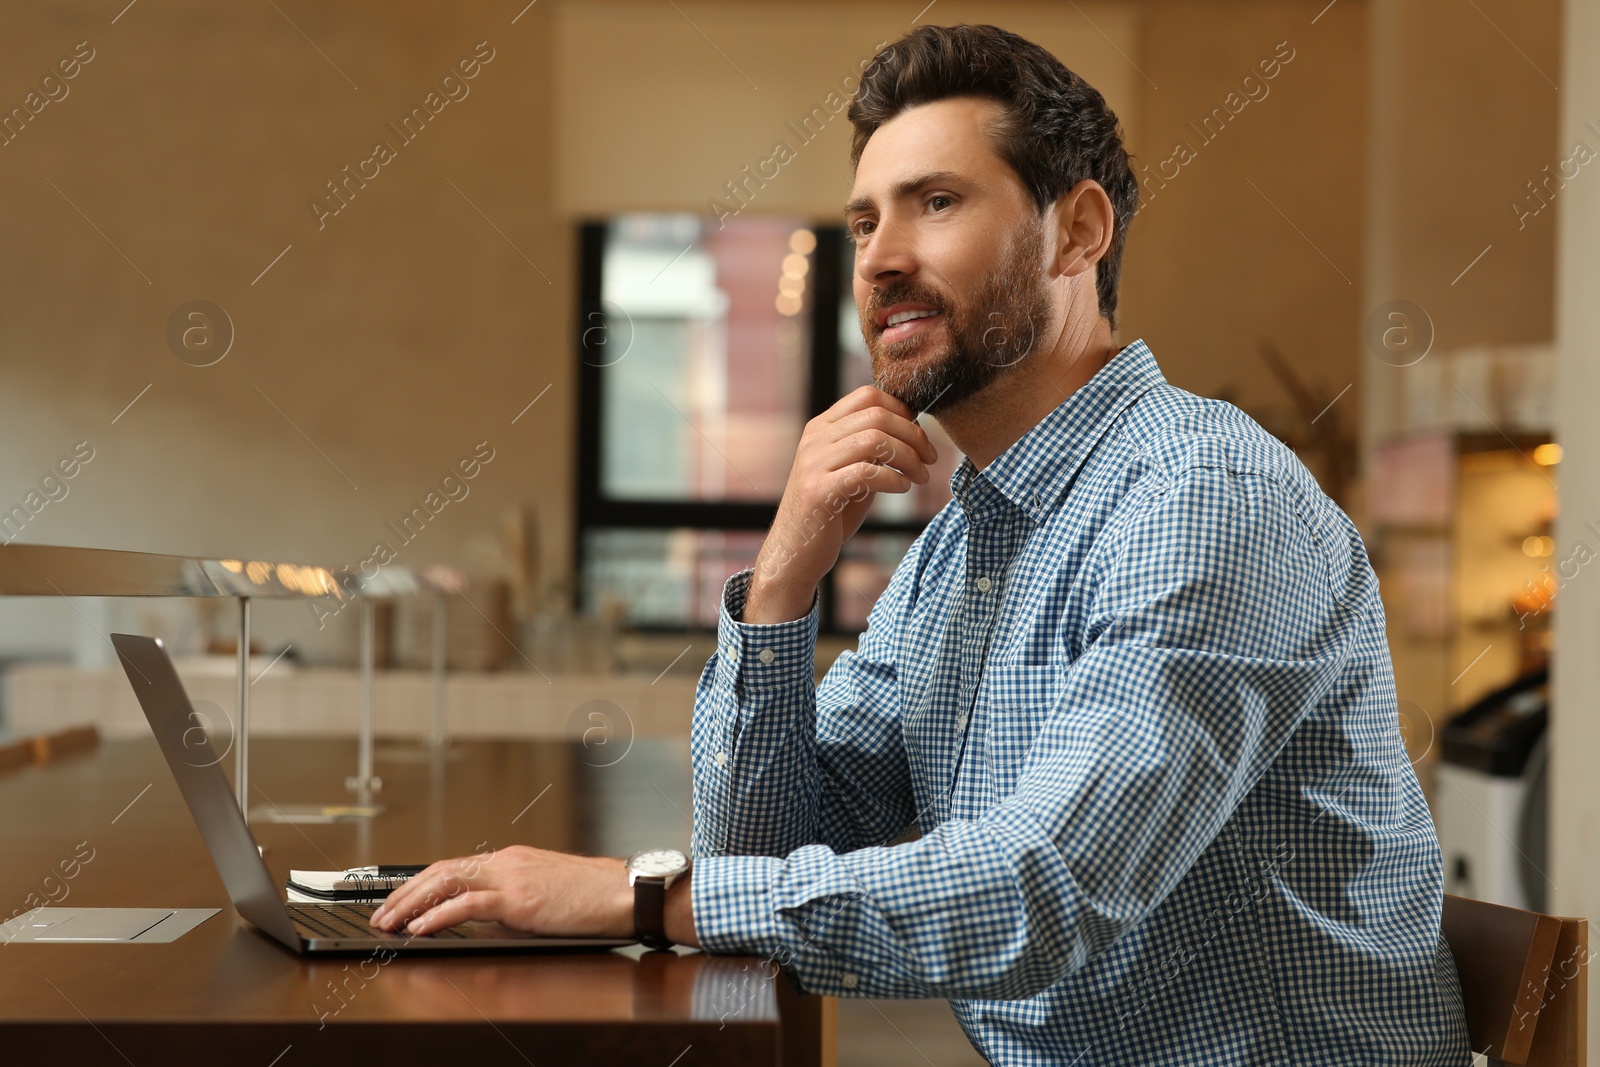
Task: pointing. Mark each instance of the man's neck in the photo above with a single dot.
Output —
(995, 418)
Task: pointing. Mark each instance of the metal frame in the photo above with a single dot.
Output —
(52, 570)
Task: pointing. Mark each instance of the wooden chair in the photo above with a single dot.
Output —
(1524, 980)
(47, 747)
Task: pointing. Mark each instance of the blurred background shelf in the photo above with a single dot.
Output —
(325, 702)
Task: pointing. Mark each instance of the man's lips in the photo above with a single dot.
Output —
(910, 328)
(883, 314)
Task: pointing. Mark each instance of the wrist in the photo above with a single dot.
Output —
(653, 875)
(620, 923)
(777, 600)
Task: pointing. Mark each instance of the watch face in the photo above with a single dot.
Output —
(658, 862)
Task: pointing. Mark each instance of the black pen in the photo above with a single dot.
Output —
(385, 872)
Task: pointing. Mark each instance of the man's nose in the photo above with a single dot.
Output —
(888, 256)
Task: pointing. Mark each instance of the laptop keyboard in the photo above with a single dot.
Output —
(347, 920)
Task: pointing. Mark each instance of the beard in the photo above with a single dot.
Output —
(989, 333)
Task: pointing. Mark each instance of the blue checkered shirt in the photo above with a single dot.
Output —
(1132, 685)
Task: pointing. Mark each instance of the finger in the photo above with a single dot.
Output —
(876, 418)
(864, 397)
(876, 477)
(419, 893)
(875, 446)
(405, 898)
(476, 904)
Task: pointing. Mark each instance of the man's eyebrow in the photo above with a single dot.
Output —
(904, 187)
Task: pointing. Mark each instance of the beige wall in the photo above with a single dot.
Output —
(665, 121)
(1214, 269)
(1464, 115)
(395, 337)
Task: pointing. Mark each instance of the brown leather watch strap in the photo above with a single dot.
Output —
(649, 912)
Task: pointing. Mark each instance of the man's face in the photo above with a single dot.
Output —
(946, 231)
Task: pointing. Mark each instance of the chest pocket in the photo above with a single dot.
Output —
(1017, 699)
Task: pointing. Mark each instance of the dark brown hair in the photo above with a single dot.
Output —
(1056, 130)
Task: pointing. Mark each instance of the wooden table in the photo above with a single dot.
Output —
(226, 994)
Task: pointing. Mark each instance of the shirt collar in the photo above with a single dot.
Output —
(1037, 470)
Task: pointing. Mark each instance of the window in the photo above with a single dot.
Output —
(703, 350)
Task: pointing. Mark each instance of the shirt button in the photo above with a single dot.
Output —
(721, 758)
(849, 980)
(1033, 501)
(961, 721)
(984, 584)
(766, 655)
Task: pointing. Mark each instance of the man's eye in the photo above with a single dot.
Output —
(933, 201)
(860, 229)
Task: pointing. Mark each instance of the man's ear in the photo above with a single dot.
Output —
(1085, 224)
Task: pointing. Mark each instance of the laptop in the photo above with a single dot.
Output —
(304, 928)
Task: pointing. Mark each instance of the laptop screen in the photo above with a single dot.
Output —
(180, 732)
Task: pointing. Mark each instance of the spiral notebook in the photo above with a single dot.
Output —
(358, 885)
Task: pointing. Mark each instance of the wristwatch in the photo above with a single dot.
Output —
(650, 873)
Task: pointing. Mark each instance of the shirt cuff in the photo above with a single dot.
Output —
(731, 898)
(763, 906)
(764, 655)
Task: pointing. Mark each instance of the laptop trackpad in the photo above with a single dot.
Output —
(98, 924)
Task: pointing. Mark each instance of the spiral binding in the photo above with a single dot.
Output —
(356, 881)
(352, 887)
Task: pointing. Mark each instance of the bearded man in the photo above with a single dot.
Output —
(1116, 766)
